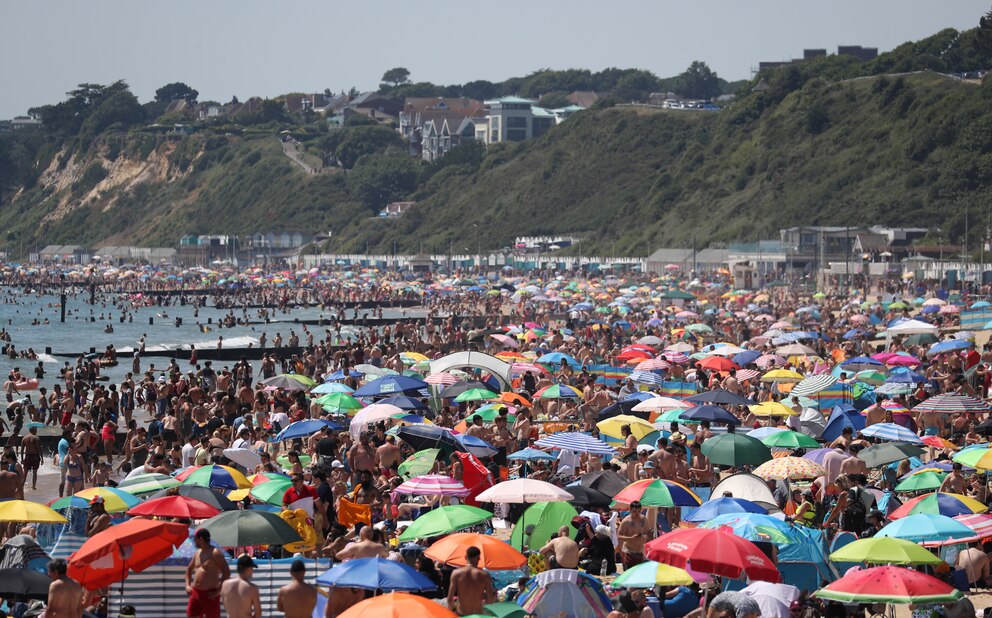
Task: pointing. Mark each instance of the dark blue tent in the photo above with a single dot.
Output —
(844, 415)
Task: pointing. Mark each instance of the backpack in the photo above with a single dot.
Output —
(852, 518)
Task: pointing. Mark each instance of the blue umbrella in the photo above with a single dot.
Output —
(724, 506)
(405, 402)
(340, 375)
(390, 385)
(755, 527)
(948, 346)
(476, 446)
(577, 442)
(713, 414)
(905, 377)
(891, 431)
(303, 429)
(331, 387)
(555, 358)
(720, 396)
(639, 396)
(531, 454)
(861, 363)
(376, 574)
(746, 357)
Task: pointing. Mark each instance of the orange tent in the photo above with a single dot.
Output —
(397, 605)
(133, 545)
(495, 553)
(515, 399)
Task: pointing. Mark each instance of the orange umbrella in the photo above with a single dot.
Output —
(718, 363)
(496, 554)
(397, 605)
(133, 545)
(515, 399)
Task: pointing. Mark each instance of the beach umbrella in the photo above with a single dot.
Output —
(661, 404)
(531, 454)
(889, 584)
(928, 530)
(114, 500)
(376, 574)
(888, 452)
(724, 505)
(340, 403)
(922, 481)
(397, 605)
(244, 528)
(772, 408)
(755, 527)
(24, 583)
(423, 437)
(175, 506)
(774, 600)
(444, 520)
(272, 491)
(606, 481)
(390, 385)
(791, 468)
(891, 431)
(939, 503)
(265, 477)
(441, 379)
(721, 397)
(523, 491)
(26, 511)
(586, 498)
(304, 429)
(650, 574)
(289, 382)
(147, 483)
(564, 592)
(795, 349)
(489, 413)
(885, 550)
(476, 394)
(496, 554)
(732, 449)
(433, 485)
(981, 523)
(203, 494)
(419, 463)
(502, 609)
(789, 439)
(576, 442)
(214, 476)
(711, 413)
(559, 391)
(456, 389)
(717, 363)
(714, 551)
(331, 387)
(657, 492)
(134, 545)
(369, 415)
(950, 403)
(543, 520)
(612, 426)
(244, 457)
(514, 399)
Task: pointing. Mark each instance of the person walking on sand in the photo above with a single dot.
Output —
(241, 596)
(204, 576)
(297, 598)
(470, 587)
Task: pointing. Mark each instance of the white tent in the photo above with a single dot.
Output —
(911, 327)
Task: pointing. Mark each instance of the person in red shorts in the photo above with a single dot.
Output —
(204, 576)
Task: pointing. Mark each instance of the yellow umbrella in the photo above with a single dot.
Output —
(771, 408)
(638, 426)
(782, 375)
(26, 511)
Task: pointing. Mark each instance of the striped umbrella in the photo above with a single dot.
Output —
(433, 485)
(114, 500)
(559, 391)
(522, 368)
(647, 377)
(813, 385)
(445, 379)
(270, 492)
(577, 442)
(653, 364)
(147, 483)
(675, 357)
(981, 523)
(939, 503)
(891, 431)
(791, 468)
(214, 477)
(747, 374)
(657, 492)
(564, 592)
(951, 404)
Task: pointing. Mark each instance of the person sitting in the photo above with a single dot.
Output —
(599, 549)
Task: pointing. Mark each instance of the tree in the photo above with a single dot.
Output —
(380, 179)
(396, 77)
(636, 86)
(175, 91)
(479, 89)
(365, 140)
(554, 100)
(985, 33)
(699, 82)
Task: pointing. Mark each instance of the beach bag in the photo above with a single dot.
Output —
(852, 518)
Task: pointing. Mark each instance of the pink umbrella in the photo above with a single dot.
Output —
(769, 360)
(522, 368)
(445, 379)
(653, 364)
(858, 319)
(506, 340)
(950, 309)
(903, 360)
(433, 485)
(883, 356)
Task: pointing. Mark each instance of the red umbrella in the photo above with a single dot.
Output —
(889, 584)
(717, 551)
(175, 506)
(718, 363)
(133, 545)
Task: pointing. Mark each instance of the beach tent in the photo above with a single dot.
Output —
(805, 565)
(746, 486)
(844, 415)
(812, 423)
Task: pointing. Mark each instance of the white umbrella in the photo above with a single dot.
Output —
(371, 414)
(660, 404)
(650, 340)
(244, 457)
(775, 600)
(911, 327)
(795, 349)
(524, 491)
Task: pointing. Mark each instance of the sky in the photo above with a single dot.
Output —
(244, 48)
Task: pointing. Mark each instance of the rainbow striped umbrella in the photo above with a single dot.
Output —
(215, 477)
(114, 500)
(939, 503)
(558, 391)
(271, 492)
(657, 492)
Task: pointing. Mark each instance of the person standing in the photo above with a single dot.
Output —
(470, 586)
(241, 596)
(31, 455)
(297, 598)
(205, 574)
(632, 536)
(65, 597)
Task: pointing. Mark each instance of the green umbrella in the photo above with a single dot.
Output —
(923, 481)
(148, 483)
(546, 518)
(505, 610)
(884, 550)
(790, 440)
(419, 463)
(477, 394)
(243, 528)
(339, 403)
(444, 520)
(272, 491)
(673, 416)
(698, 328)
(734, 449)
(489, 415)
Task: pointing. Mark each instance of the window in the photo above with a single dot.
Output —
(516, 135)
(516, 122)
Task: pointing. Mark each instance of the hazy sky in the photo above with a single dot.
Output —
(266, 48)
